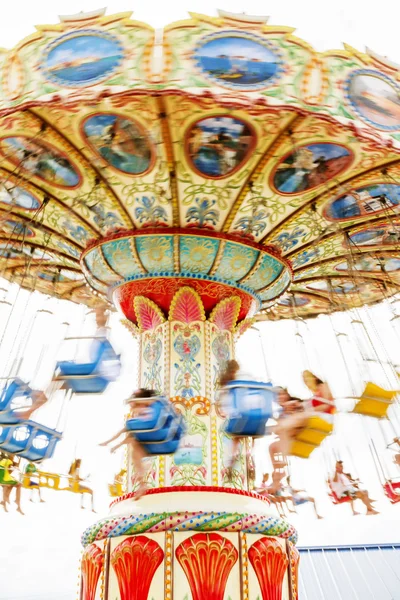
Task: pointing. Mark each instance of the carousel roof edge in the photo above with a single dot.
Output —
(223, 20)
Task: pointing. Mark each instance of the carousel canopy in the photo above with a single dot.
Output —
(219, 151)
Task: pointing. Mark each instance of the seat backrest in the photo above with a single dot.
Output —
(335, 499)
(102, 352)
(97, 349)
(392, 489)
(373, 391)
(16, 389)
(250, 397)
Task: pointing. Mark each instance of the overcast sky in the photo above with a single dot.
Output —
(324, 25)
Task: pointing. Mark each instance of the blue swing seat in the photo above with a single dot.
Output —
(153, 419)
(160, 429)
(29, 439)
(171, 443)
(16, 389)
(251, 407)
(92, 377)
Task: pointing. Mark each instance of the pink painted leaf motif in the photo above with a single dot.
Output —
(92, 563)
(135, 562)
(148, 315)
(269, 560)
(225, 314)
(243, 326)
(186, 306)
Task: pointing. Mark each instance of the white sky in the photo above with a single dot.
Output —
(324, 25)
(44, 545)
(39, 552)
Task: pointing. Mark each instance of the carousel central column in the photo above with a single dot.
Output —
(188, 295)
(181, 356)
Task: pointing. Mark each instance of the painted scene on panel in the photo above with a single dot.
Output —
(294, 301)
(40, 160)
(310, 166)
(120, 142)
(219, 145)
(377, 236)
(345, 287)
(365, 201)
(371, 265)
(83, 59)
(13, 250)
(376, 100)
(55, 276)
(237, 61)
(16, 228)
(190, 451)
(17, 196)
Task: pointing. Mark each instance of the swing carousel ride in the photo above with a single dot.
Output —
(200, 179)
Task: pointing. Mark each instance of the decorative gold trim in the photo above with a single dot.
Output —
(214, 451)
(177, 263)
(161, 471)
(207, 358)
(169, 149)
(189, 403)
(136, 255)
(115, 276)
(140, 361)
(218, 258)
(242, 327)
(168, 565)
(245, 565)
(253, 269)
(131, 327)
(166, 340)
(101, 248)
(103, 572)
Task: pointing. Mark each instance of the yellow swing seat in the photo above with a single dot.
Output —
(116, 489)
(45, 480)
(310, 437)
(52, 481)
(374, 401)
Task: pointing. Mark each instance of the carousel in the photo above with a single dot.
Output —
(200, 179)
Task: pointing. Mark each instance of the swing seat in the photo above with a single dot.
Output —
(91, 377)
(159, 429)
(154, 417)
(170, 444)
(159, 434)
(29, 439)
(392, 490)
(16, 389)
(336, 500)
(251, 404)
(45, 480)
(311, 437)
(301, 449)
(374, 401)
(115, 490)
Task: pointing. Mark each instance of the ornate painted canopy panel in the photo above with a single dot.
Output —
(241, 154)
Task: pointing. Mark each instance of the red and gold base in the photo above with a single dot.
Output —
(213, 546)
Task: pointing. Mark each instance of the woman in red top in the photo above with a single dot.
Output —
(321, 405)
(322, 401)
